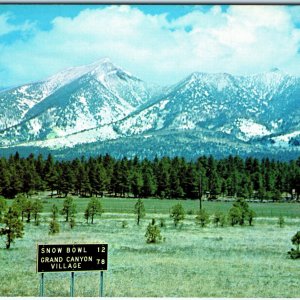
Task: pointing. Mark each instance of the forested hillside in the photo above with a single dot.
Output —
(162, 177)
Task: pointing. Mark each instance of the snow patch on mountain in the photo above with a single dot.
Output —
(250, 129)
(283, 140)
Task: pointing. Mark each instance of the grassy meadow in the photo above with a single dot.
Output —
(191, 262)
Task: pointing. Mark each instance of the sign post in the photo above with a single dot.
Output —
(72, 258)
(72, 285)
(101, 288)
(42, 285)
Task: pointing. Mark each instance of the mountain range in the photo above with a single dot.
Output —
(101, 108)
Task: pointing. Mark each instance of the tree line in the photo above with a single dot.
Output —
(161, 177)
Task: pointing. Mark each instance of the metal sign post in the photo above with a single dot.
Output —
(42, 285)
(72, 284)
(101, 285)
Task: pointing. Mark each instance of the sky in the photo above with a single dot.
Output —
(160, 44)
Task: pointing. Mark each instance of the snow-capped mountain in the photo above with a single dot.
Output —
(76, 99)
(100, 102)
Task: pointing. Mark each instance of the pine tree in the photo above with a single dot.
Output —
(37, 208)
(139, 210)
(153, 233)
(202, 218)
(14, 227)
(69, 208)
(94, 208)
(20, 205)
(28, 210)
(67, 180)
(136, 183)
(3, 207)
(149, 183)
(177, 213)
(54, 225)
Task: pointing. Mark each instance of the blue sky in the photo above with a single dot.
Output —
(158, 43)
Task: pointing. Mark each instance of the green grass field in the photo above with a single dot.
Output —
(154, 205)
(191, 262)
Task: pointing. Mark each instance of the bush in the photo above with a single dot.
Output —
(219, 219)
(235, 216)
(190, 212)
(241, 212)
(153, 233)
(124, 224)
(295, 253)
(162, 223)
(53, 227)
(177, 213)
(281, 221)
(72, 222)
(202, 218)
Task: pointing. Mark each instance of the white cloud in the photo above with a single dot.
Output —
(7, 27)
(241, 40)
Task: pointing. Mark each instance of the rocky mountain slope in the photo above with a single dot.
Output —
(103, 105)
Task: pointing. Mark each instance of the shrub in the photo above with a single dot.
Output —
(281, 221)
(235, 216)
(162, 223)
(53, 227)
(241, 212)
(72, 222)
(153, 233)
(124, 224)
(219, 219)
(177, 213)
(250, 214)
(202, 218)
(190, 212)
(295, 253)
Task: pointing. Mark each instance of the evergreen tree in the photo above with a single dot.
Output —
(139, 210)
(202, 218)
(54, 227)
(3, 207)
(241, 212)
(51, 178)
(191, 182)
(14, 227)
(94, 208)
(153, 234)
(37, 208)
(137, 183)
(163, 179)
(177, 213)
(28, 209)
(67, 180)
(15, 183)
(20, 205)
(4, 179)
(69, 208)
(149, 182)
